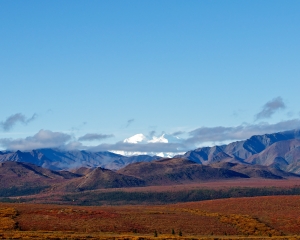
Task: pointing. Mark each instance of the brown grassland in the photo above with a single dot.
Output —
(272, 217)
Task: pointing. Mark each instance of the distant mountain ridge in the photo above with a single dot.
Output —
(17, 178)
(280, 150)
(269, 156)
(56, 159)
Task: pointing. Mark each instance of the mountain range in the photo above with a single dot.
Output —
(269, 156)
(278, 150)
(17, 178)
(57, 159)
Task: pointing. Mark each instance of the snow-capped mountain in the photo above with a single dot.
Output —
(142, 139)
(137, 138)
(160, 139)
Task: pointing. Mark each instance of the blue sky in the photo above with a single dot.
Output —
(88, 74)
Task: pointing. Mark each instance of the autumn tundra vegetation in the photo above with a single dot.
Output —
(231, 208)
(270, 217)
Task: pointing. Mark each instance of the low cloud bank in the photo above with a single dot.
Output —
(202, 135)
(143, 147)
(94, 136)
(43, 139)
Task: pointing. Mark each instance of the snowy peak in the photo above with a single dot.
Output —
(142, 139)
(137, 138)
(160, 139)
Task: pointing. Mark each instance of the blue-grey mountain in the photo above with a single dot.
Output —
(57, 159)
(278, 150)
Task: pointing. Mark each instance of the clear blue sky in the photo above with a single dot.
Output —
(215, 71)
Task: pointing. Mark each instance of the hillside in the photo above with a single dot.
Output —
(283, 155)
(18, 178)
(100, 178)
(57, 159)
(174, 171)
(278, 150)
(256, 171)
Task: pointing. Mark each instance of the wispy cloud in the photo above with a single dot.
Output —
(94, 136)
(129, 122)
(12, 120)
(151, 134)
(177, 133)
(270, 108)
(144, 147)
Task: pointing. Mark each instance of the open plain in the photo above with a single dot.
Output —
(268, 217)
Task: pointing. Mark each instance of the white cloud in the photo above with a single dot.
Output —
(160, 139)
(142, 147)
(137, 138)
(43, 139)
(139, 143)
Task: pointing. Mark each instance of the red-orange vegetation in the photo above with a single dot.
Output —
(278, 212)
(7, 216)
(124, 219)
(258, 216)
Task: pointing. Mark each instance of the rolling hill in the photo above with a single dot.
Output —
(175, 171)
(100, 178)
(17, 178)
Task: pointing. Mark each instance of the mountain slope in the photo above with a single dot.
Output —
(56, 159)
(256, 171)
(284, 155)
(268, 150)
(33, 156)
(176, 171)
(100, 178)
(17, 178)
